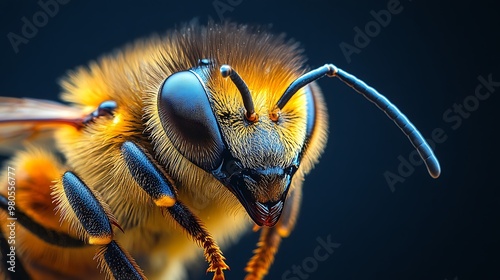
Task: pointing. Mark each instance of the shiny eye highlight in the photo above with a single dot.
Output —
(188, 119)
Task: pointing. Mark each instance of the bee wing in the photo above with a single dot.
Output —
(29, 119)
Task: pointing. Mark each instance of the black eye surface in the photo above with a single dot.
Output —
(188, 119)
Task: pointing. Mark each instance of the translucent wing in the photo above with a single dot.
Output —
(29, 119)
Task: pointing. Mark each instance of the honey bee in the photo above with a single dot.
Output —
(167, 149)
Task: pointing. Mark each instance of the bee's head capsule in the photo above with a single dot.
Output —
(227, 71)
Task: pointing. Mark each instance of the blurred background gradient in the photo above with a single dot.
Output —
(428, 59)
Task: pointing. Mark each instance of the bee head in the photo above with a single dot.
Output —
(225, 119)
(250, 145)
(252, 148)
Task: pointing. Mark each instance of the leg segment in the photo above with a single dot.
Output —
(263, 257)
(270, 238)
(146, 173)
(197, 231)
(117, 262)
(78, 202)
(93, 217)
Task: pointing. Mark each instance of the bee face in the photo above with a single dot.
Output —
(205, 119)
(200, 114)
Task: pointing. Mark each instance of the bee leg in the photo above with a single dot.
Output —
(270, 238)
(199, 233)
(158, 185)
(77, 202)
(118, 262)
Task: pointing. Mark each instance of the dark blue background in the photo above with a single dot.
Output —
(425, 60)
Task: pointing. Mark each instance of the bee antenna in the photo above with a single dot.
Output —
(300, 82)
(379, 100)
(226, 71)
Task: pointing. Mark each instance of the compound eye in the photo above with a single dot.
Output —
(188, 119)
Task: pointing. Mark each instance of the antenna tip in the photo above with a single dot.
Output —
(225, 70)
(433, 167)
(332, 70)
